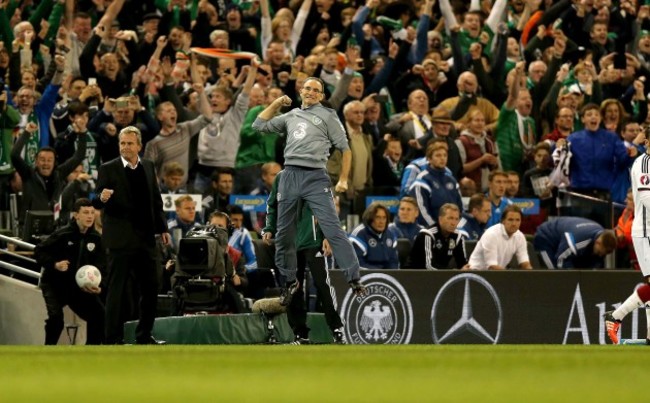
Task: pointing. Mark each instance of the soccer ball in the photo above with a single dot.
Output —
(88, 276)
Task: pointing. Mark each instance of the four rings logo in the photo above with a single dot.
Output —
(383, 316)
(457, 317)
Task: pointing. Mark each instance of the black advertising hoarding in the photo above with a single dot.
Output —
(512, 307)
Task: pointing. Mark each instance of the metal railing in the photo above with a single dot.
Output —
(12, 267)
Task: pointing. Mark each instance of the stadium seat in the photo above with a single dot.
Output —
(469, 247)
(404, 252)
(533, 256)
(265, 254)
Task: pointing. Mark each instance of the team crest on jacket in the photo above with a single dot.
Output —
(645, 180)
(389, 242)
(90, 246)
(383, 316)
(372, 243)
(316, 120)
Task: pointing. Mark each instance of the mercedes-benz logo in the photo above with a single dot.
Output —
(467, 323)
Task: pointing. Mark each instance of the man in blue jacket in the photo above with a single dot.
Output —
(597, 155)
(374, 242)
(574, 242)
(434, 186)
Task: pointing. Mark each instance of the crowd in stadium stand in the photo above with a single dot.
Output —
(467, 103)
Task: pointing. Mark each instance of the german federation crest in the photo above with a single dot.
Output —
(383, 316)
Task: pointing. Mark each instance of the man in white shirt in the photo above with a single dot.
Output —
(500, 243)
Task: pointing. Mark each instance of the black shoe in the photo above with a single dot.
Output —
(287, 292)
(357, 288)
(339, 337)
(150, 340)
(300, 340)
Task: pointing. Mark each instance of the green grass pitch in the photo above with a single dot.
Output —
(324, 373)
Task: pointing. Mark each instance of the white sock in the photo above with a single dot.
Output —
(631, 303)
(647, 316)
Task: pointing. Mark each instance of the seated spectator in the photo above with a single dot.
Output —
(496, 196)
(467, 187)
(186, 219)
(435, 186)
(217, 198)
(512, 189)
(172, 178)
(239, 281)
(500, 243)
(473, 223)
(574, 243)
(241, 239)
(405, 225)
(434, 247)
(375, 243)
(411, 173)
(43, 184)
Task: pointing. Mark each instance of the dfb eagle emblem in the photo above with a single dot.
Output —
(376, 321)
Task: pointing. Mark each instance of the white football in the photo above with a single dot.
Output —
(88, 276)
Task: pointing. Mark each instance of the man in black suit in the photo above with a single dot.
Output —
(133, 215)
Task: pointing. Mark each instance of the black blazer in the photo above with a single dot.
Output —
(118, 230)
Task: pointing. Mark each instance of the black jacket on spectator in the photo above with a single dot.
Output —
(41, 193)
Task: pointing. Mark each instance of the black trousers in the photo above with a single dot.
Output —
(87, 306)
(139, 263)
(296, 311)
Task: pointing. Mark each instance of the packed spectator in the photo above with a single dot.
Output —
(494, 86)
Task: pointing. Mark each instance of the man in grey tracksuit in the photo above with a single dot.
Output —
(311, 131)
